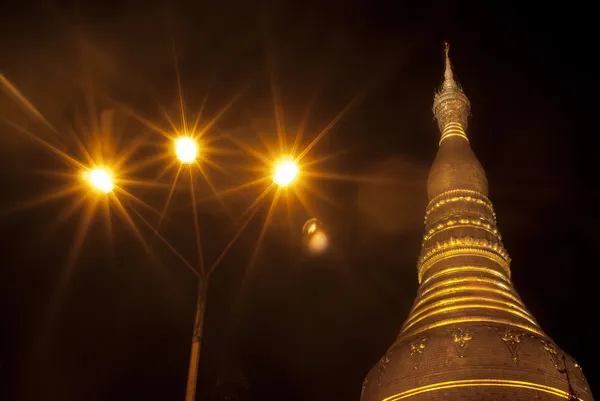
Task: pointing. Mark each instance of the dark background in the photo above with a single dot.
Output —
(117, 323)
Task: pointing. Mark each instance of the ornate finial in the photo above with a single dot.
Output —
(450, 104)
(448, 75)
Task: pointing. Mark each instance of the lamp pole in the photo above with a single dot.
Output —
(190, 392)
(186, 151)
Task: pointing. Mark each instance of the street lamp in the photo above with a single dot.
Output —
(186, 150)
(100, 179)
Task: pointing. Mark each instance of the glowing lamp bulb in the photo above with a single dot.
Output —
(100, 179)
(285, 172)
(186, 149)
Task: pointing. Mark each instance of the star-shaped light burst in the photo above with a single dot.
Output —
(186, 149)
(95, 176)
(285, 172)
(100, 178)
(98, 175)
(188, 145)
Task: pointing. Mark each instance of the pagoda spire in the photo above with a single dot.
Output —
(448, 74)
(455, 167)
(451, 106)
(469, 335)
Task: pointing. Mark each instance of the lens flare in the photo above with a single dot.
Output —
(315, 236)
(100, 179)
(186, 149)
(318, 242)
(285, 172)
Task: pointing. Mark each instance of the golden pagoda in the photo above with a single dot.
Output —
(468, 335)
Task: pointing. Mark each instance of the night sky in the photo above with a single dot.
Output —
(114, 322)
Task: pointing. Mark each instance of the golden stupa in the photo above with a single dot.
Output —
(468, 335)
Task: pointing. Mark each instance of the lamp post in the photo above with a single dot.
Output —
(186, 150)
(101, 179)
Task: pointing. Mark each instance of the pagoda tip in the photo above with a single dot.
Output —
(448, 71)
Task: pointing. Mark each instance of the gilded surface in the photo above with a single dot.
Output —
(467, 312)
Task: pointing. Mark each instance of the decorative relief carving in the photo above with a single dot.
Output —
(416, 350)
(464, 242)
(464, 222)
(461, 338)
(383, 362)
(512, 339)
(472, 199)
(551, 350)
(451, 192)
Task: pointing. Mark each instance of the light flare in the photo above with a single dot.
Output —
(186, 149)
(285, 173)
(100, 178)
(317, 240)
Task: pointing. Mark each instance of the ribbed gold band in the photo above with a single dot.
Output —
(462, 299)
(453, 129)
(482, 383)
(426, 264)
(472, 319)
(469, 288)
(465, 280)
(479, 306)
(466, 269)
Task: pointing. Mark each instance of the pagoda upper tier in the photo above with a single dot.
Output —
(468, 336)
